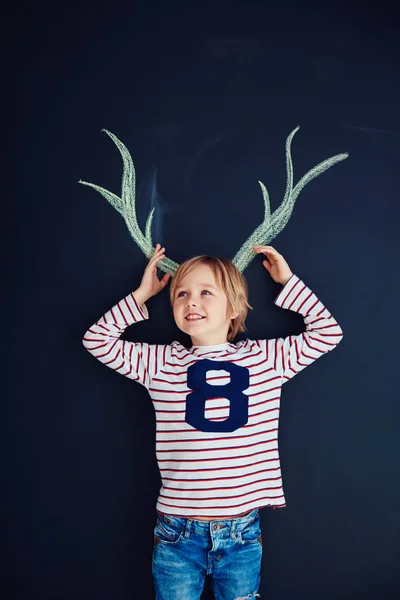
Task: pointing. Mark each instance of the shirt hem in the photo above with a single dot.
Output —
(183, 514)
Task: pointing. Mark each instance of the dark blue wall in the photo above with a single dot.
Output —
(207, 94)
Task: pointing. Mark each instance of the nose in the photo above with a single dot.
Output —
(191, 302)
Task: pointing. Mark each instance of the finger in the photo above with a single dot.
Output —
(159, 255)
(154, 263)
(151, 269)
(265, 249)
(266, 265)
(158, 249)
(165, 279)
(270, 253)
(152, 257)
(157, 259)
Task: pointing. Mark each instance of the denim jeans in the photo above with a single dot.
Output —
(186, 550)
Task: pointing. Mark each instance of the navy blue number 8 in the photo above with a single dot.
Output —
(202, 391)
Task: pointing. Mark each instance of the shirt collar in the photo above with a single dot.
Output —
(225, 347)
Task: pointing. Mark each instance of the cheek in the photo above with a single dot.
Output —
(221, 311)
(177, 308)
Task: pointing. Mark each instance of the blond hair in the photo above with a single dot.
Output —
(230, 280)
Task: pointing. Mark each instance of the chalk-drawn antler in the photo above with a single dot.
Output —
(126, 206)
(273, 224)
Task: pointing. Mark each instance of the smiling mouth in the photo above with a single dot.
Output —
(190, 319)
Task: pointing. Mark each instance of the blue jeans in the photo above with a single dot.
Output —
(186, 550)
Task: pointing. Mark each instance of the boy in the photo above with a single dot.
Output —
(217, 411)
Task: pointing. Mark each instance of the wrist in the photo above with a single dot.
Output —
(140, 297)
(286, 279)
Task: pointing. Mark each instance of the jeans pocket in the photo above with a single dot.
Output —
(251, 533)
(166, 531)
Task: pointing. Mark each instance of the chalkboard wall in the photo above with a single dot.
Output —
(204, 96)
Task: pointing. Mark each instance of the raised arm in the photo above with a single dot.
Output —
(138, 361)
(295, 352)
(292, 354)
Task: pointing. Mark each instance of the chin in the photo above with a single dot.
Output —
(191, 328)
(186, 329)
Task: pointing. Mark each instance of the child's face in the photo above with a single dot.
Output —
(199, 295)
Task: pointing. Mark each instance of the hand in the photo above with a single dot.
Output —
(150, 284)
(276, 265)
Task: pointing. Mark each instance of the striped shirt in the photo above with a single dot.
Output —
(217, 407)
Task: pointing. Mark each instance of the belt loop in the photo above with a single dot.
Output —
(187, 527)
(233, 528)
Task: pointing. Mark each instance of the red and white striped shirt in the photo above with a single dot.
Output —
(217, 407)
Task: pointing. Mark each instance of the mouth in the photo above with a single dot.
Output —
(194, 318)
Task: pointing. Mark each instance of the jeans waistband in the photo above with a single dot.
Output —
(234, 523)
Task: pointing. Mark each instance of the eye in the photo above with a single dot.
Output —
(205, 291)
(180, 294)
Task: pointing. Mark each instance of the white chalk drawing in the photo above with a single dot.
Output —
(271, 226)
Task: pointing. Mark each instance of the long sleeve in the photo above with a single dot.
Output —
(138, 361)
(292, 354)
